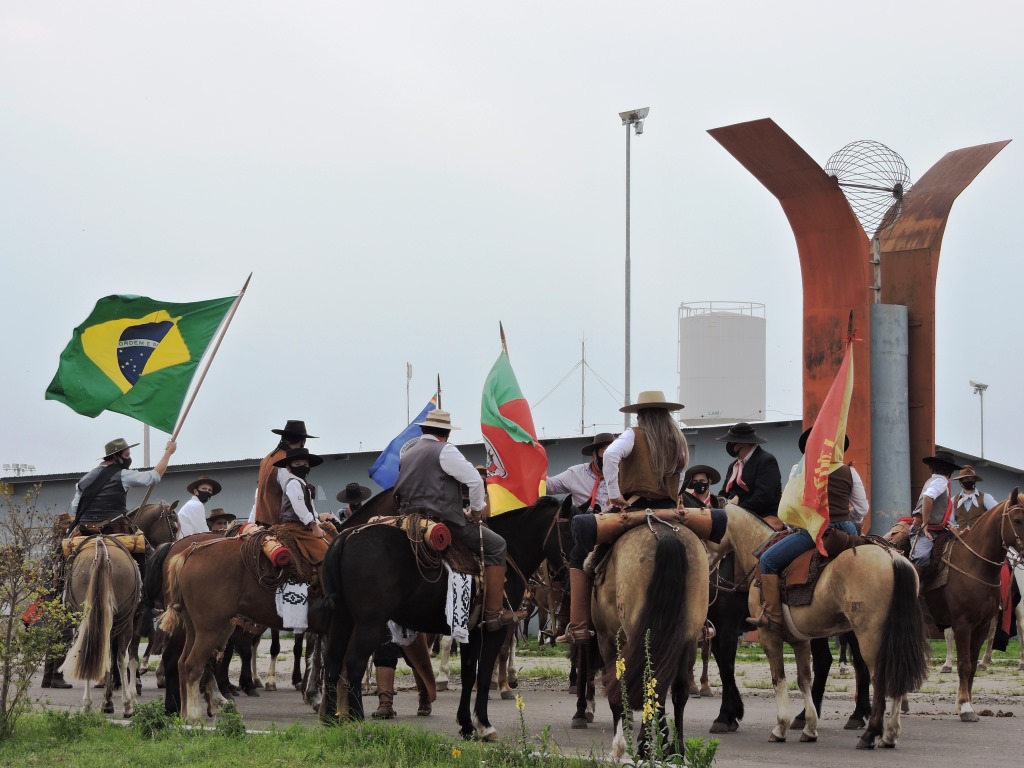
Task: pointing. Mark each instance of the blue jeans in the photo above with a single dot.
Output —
(778, 556)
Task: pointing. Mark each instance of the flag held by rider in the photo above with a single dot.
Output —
(384, 471)
(517, 463)
(805, 498)
(136, 356)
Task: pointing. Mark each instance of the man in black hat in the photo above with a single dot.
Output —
(192, 515)
(270, 482)
(297, 512)
(697, 484)
(353, 495)
(219, 521)
(586, 481)
(754, 481)
(101, 497)
(934, 509)
(970, 503)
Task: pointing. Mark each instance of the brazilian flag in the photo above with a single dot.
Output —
(136, 356)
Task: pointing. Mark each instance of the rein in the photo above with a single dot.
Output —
(958, 537)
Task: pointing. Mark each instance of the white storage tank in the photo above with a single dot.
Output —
(721, 362)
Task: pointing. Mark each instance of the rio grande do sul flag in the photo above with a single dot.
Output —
(805, 498)
(136, 356)
(517, 464)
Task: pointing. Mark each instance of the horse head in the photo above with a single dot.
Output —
(158, 522)
(744, 532)
(1012, 526)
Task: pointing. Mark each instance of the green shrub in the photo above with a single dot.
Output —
(150, 719)
(69, 726)
(229, 722)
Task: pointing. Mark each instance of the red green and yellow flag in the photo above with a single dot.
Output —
(136, 356)
(517, 464)
(805, 498)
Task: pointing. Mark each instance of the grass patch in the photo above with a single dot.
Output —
(531, 651)
(544, 672)
(46, 740)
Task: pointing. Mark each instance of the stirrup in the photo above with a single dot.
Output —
(499, 620)
(575, 634)
(768, 621)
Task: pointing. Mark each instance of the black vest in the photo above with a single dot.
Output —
(111, 501)
(422, 483)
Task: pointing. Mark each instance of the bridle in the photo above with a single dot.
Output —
(1004, 518)
(164, 515)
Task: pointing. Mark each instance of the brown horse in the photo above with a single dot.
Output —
(655, 592)
(103, 581)
(158, 522)
(868, 589)
(970, 598)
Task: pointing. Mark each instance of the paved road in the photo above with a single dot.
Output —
(932, 736)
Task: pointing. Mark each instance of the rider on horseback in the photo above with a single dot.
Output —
(428, 478)
(269, 482)
(297, 512)
(934, 508)
(646, 461)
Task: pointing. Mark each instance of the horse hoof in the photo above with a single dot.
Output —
(507, 695)
(590, 717)
(108, 708)
(808, 739)
(442, 685)
(888, 745)
(865, 743)
(982, 666)
(695, 692)
(270, 687)
(251, 691)
(706, 692)
(946, 669)
(717, 727)
(968, 717)
(579, 722)
(776, 739)
(854, 724)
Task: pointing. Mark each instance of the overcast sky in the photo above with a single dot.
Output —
(401, 176)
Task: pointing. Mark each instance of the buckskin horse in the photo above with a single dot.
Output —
(371, 576)
(103, 580)
(869, 590)
(654, 591)
(970, 597)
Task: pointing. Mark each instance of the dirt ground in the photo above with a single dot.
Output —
(932, 734)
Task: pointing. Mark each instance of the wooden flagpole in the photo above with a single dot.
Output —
(439, 392)
(504, 345)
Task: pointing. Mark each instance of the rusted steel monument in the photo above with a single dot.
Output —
(840, 272)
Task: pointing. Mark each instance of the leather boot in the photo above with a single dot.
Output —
(385, 694)
(52, 676)
(578, 629)
(771, 616)
(560, 604)
(495, 616)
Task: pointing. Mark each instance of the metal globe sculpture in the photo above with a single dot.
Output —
(874, 179)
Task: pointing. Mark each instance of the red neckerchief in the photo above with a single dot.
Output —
(593, 491)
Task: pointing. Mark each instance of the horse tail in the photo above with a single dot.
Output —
(153, 583)
(330, 572)
(902, 663)
(89, 657)
(171, 619)
(662, 615)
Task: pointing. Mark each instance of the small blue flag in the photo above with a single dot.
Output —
(385, 469)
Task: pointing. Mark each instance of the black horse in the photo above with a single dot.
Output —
(728, 611)
(371, 576)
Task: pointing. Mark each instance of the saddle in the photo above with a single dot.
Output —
(432, 542)
(935, 575)
(798, 581)
(133, 543)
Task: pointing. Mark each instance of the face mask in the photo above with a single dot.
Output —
(732, 449)
(699, 488)
(300, 472)
(126, 462)
(599, 463)
(204, 496)
(969, 485)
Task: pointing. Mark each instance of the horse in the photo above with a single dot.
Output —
(869, 590)
(103, 580)
(654, 591)
(414, 595)
(158, 522)
(970, 597)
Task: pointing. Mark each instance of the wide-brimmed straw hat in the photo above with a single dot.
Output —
(294, 428)
(116, 446)
(191, 487)
(216, 514)
(711, 472)
(299, 453)
(651, 398)
(741, 433)
(943, 458)
(967, 473)
(438, 419)
(601, 439)
(807, 433)
(353, 492)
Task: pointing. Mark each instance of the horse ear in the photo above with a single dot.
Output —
(173, 506)
(1013, 496)
(568, 509)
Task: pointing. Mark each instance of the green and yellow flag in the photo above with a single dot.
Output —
(136, 356)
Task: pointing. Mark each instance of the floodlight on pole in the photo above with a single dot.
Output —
(634, 118)
(979, 390)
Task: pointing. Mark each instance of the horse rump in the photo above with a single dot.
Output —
(89, 657)
(902, 664)
(662, 617)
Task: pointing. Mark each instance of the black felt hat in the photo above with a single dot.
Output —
(293, 428)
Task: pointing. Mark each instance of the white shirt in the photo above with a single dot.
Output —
(192, 518)
(621, 447)
(130, 478)
(858, 496)
(967, 500)
(293, 493)
(579, 481)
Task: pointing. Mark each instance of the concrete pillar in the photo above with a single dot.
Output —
(890, 417)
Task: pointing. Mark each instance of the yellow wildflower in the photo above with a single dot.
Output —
(620, 667)
(520, 704)
(456, 753)
(648, 711)
(652, 688)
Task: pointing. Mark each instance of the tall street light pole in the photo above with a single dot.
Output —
(634, 118)
(979, 390)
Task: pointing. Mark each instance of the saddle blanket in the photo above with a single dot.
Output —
(401, 636)
(293, 605)
(456, 609)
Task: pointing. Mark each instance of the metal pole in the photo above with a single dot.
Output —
(625, 420)
(981, 400)
(145, 446)
(408, 378)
